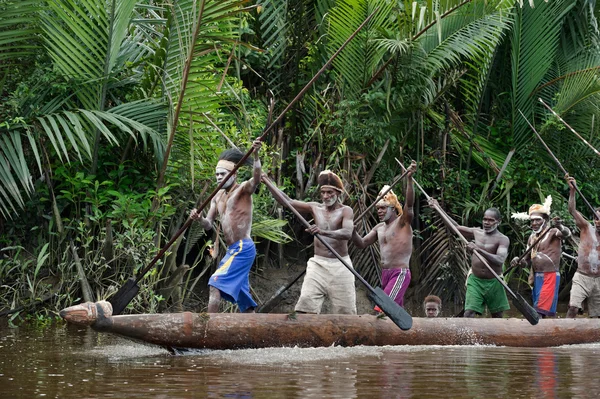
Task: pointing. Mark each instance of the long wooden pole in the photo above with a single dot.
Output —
(247, 155)
(559, 164)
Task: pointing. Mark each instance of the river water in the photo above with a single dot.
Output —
(64, 361)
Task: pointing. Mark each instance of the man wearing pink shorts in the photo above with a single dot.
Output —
(394, 235)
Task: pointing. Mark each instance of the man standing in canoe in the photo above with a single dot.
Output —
(544, 257)
(394, 235)
(325, 274)
(483, 289)
(586, 281)
(233, 203)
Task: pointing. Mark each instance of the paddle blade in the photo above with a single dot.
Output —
(395, 312)
(126, 293)
(521, 304)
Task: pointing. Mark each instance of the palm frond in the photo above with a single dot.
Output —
(19, 29)
(534, 43)
(358, 62)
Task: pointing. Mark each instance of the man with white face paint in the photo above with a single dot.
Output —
(483, 289)
(544, 257)
(394, 235)
(326, 276)
(586, 281)
(233, 204)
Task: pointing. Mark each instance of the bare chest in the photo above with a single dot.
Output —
(328, 220)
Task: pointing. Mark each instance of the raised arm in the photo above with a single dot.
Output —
(283, 199)
(253, 183)
(363, 242)
(408, 212)
(579, 219)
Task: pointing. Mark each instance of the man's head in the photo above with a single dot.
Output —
(227, 161)
(388, 205)
(491, 219)
(331, 187)
(432, 306)
(538, 215)
(385, 212)
(538, 221)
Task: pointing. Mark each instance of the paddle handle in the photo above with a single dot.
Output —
(559, 164)
(301, 218)
(536, 242)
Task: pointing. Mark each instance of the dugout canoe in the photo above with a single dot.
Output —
(259, 330)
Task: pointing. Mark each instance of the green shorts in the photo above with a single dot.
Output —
(485, 292)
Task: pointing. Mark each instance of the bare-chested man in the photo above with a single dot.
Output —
(544, 257)
(483, 289)
(233, 204)
(325, 274)
(394, 235)
(586, 281)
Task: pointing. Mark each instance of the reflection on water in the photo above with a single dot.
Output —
(70, 362)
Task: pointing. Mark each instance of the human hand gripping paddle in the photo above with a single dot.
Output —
(129, 290)
(530, 314)
(396, 313)
(560, 165)
(518, 261)
(270, 304)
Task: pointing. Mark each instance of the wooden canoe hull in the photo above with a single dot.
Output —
(235, 330)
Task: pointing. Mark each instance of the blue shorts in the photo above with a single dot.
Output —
(231, 278)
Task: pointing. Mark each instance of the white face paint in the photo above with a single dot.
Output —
(388, 214)
(537, 221)
(220, 174)
(330, 201)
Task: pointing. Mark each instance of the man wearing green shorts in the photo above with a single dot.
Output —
(483, 289)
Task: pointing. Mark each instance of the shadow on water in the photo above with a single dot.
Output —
(70, 362)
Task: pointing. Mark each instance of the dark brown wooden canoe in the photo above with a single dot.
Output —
(259, 330)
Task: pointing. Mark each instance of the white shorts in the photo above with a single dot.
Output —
(586, 287)
(327, 277)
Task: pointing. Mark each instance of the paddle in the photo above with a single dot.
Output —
(397, 314)
(276, 298)
(129, 290)
(530, 314)
(536, 242)
(559, 164)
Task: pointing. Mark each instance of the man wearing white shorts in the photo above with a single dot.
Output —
(326, 275)
(586, 281)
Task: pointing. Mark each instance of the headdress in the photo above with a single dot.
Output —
(229, 158)
(535, 208)
(329, 179)
(390, 199)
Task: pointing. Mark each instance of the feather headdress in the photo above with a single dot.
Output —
(535, 208)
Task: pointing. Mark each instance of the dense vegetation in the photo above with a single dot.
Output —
(113, 112)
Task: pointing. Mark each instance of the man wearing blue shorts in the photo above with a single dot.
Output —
(233, 204)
